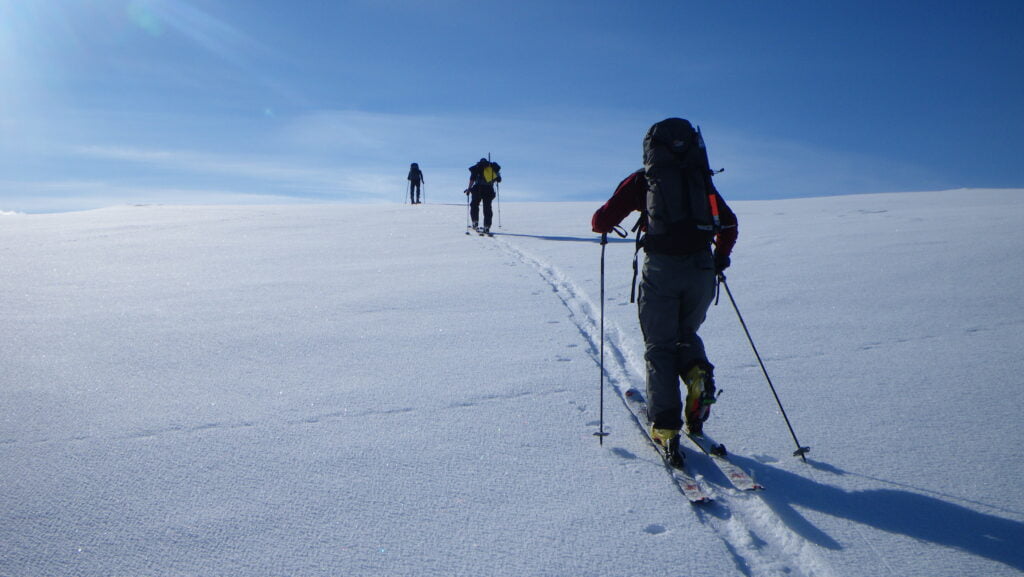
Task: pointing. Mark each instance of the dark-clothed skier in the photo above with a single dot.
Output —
(685, 216)
(482, 177)
(415, 181)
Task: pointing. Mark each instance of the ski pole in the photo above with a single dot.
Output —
(497, 199)
(801, 451)
(600, 434)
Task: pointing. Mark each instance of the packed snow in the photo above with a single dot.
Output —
(366, 391)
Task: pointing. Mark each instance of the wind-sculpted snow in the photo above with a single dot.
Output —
(351, 390)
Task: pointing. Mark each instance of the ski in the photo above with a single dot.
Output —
(684, 480)
(719, 456)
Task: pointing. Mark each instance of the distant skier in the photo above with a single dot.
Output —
(415, 181)
(482, 177)
(683, 215)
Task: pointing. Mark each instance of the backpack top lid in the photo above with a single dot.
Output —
(668, 141)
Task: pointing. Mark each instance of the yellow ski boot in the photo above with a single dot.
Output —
(668, 440)
(700, 394)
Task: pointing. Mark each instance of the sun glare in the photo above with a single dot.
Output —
(142, 15)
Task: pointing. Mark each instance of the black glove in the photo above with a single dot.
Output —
(722, 262)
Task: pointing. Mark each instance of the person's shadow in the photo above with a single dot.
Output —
(893, 510)
(589, 239)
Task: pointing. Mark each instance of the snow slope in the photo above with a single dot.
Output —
(352, 390)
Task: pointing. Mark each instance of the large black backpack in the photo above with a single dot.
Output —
(681, 215)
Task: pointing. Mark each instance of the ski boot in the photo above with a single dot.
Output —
(668, 442)
(700, 395)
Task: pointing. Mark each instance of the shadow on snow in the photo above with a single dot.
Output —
(897, 511)
(593, 239)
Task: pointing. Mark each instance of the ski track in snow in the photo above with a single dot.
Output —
(760, 542)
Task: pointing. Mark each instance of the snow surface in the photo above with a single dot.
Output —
(355, 390)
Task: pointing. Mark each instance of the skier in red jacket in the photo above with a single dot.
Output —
(676, 288)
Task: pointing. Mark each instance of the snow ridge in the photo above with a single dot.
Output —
(759, 540)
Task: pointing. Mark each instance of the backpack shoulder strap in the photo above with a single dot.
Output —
(638, 230)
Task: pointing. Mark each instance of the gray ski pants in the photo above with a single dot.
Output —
(675, 293)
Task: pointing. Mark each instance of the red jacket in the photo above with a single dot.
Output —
(631, 195)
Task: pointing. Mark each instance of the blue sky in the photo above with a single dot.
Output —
(206, 101)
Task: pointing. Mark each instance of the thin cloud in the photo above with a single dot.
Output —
(198, 162)
(267, 176)
(73, 195)
(359, 156)
(758, 167)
